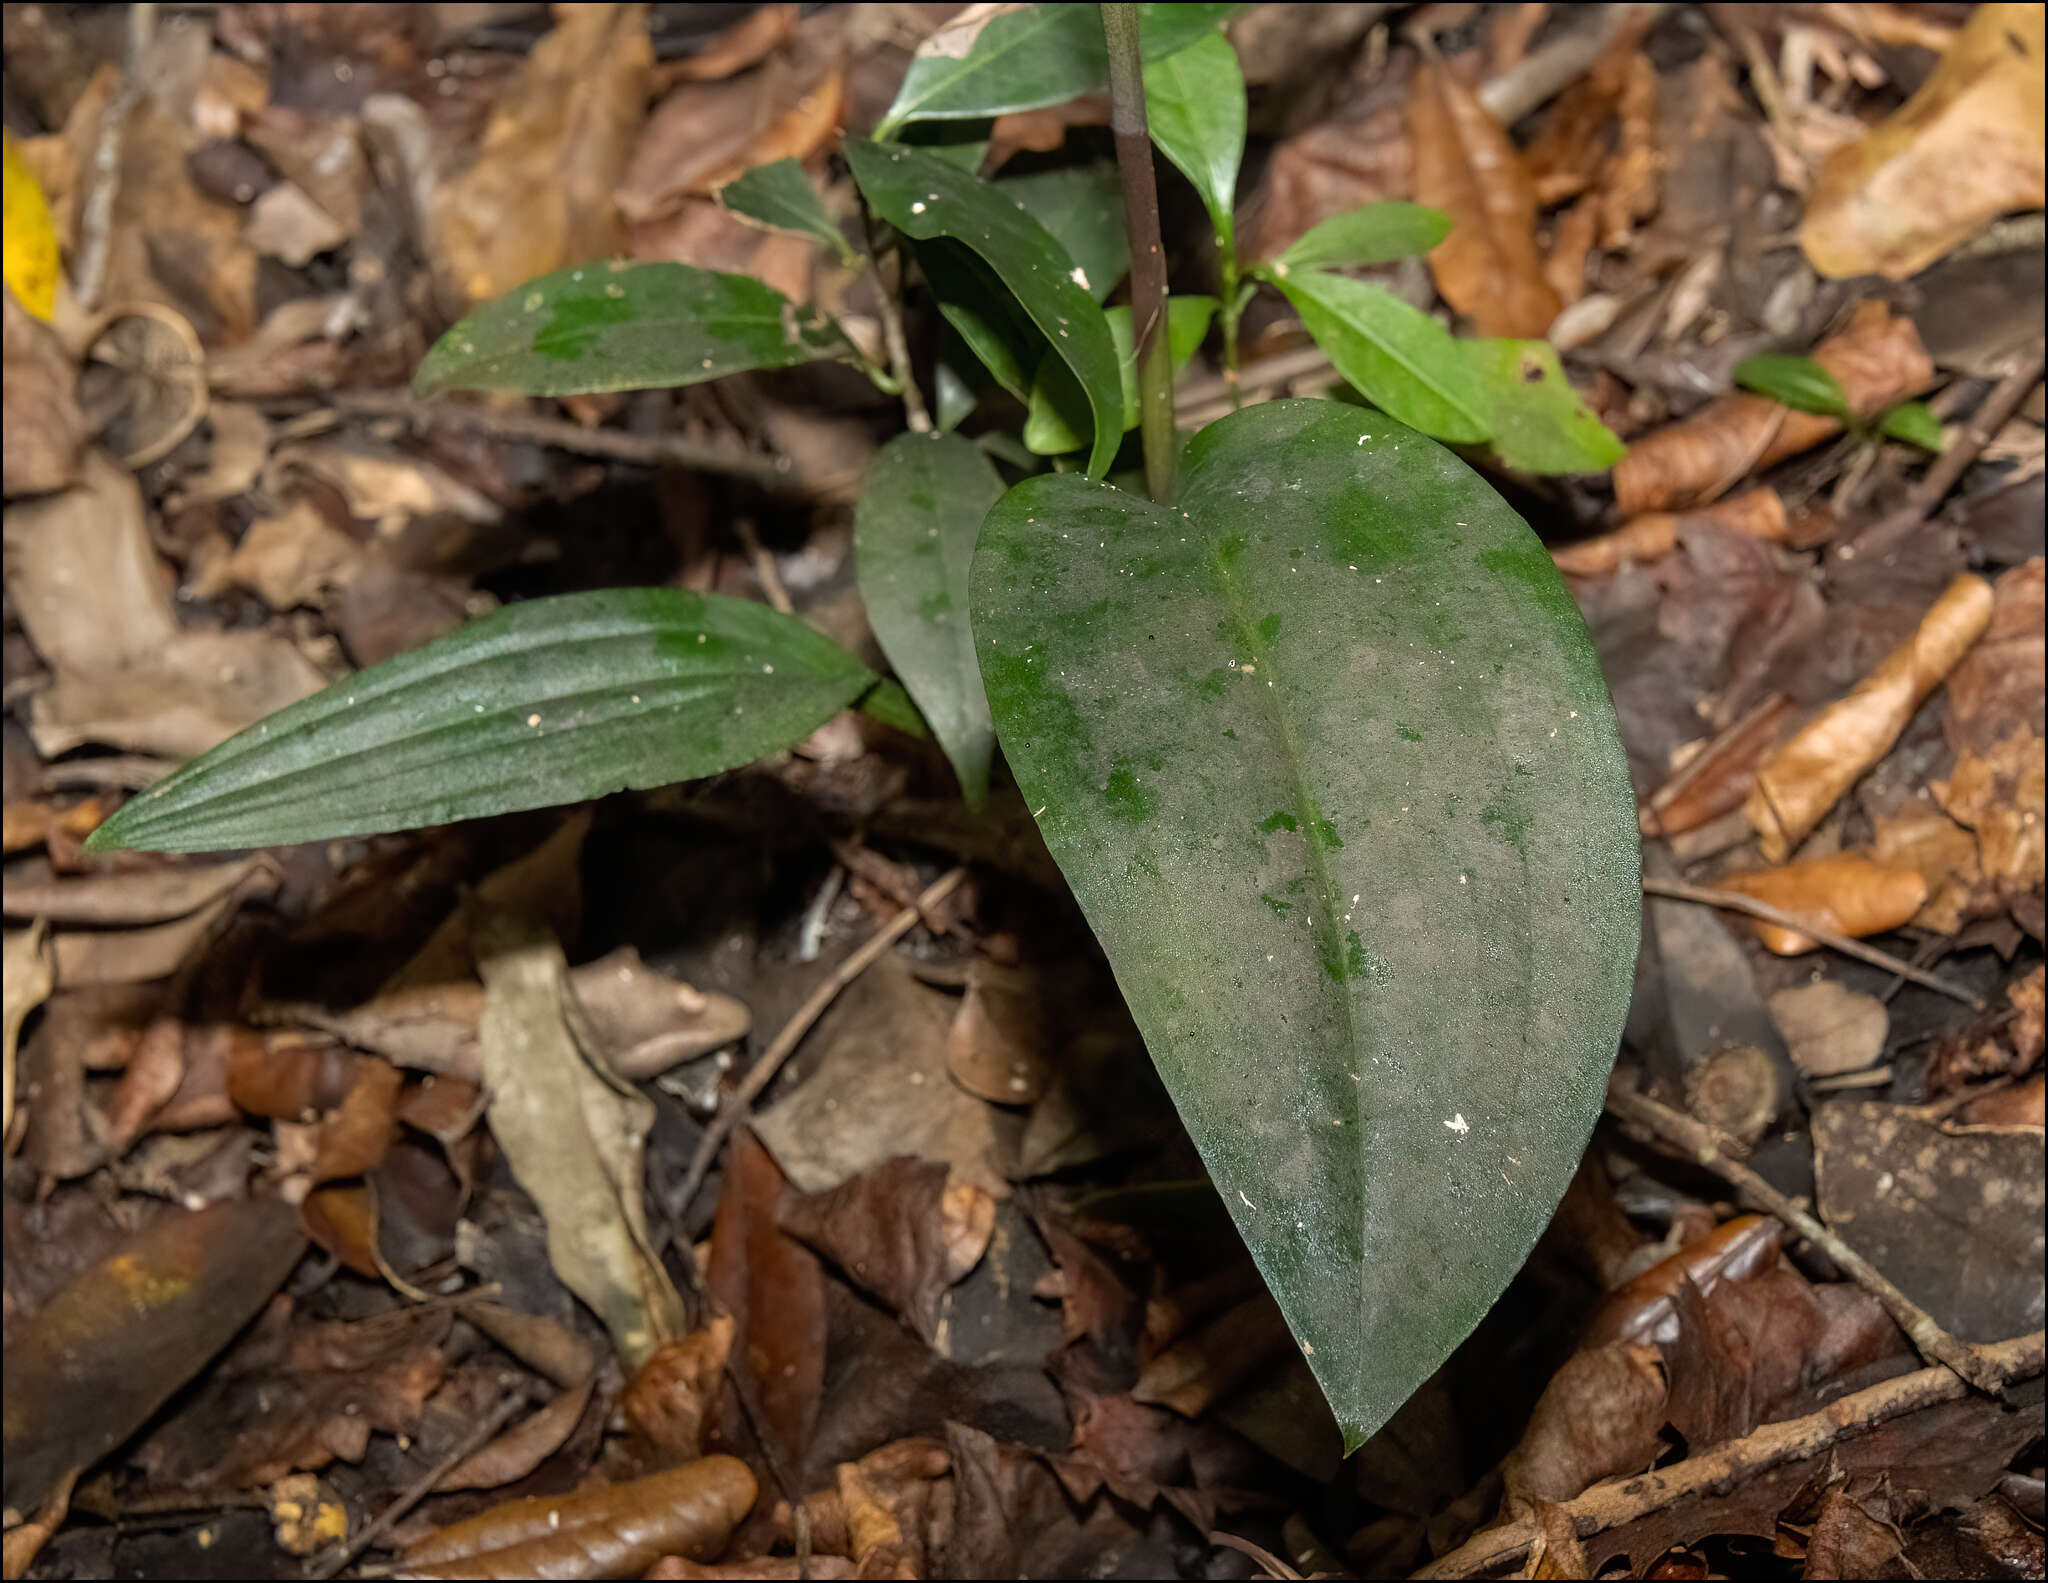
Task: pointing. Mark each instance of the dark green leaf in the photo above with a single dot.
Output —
(1539, 423)
(982, 312)
(920, 508)
(1083, 207)
(781, 195)
(1798, 382)
(1400, 358)
(612, 326)
(1324, 750)
(1195, 107)
(1376, 233)
(1915, 423)
(1028, 58)
(1058, 420)
(551, 701)
(924, 197)
(887, 702)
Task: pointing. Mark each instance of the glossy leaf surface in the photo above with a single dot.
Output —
(1057, 421)
(925, 197)
(1324, 750)
(781, 195)
(612, 326)
(1195, 108)
(551, 701)
(982, 312)
(1029, 58)
(920, 509)
(1373, 233)
(1397, 356)
(1083, 207)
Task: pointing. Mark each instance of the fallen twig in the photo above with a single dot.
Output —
(1612, 1503)
(763, 1071)
(1713, 1150)
(96, 220)
(1706, 896)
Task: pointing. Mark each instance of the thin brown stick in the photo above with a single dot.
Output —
(764, 566)
(1706, 896)
(96, 219)
(763, 1071)
(422, 1487)
(1148, 259)
(775, 473)
(1713, 1150)
(1615, 1502)
(1274, 1566)
(1963, 449)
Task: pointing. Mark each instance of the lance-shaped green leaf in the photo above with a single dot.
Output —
(1028, 58)
(924, 197)
(1195, 107)
(551, 701)
(1374, 233)
(920, 508)
(1324, 750)
(1057, 421)
(1539, 423)
(1915, 423)
(1400, 358)
(781, 196)
(979, 307)
(614, 326)
(1083, 207)
(1798, 382)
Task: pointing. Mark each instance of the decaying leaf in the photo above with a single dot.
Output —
(1800, 782)
(1716, 779)
(672, 1396)
(2004, 678)
(1921, 836)
(43, 432)
(1488, 268)
(1998, 795)
(1966, 148)
(1830, 1028)
(25, 982)
(617, 1530)
(1877, 360)
(574, 1134)
(1758, 512)
(1849, 894)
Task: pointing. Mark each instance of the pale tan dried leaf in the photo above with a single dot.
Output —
(676, 1388)
(1963, 150)
(294, 558)
(147, 895)
(1847, 893)
(1804, 779)
(26, 979)
(1758, 512)
(43, 432)
(2003, 681)
(1923, 838)
(241, 445)
(1488, 268)
(1999, 796)
(1830, 1028)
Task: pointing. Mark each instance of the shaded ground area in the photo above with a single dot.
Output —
(890, 1251)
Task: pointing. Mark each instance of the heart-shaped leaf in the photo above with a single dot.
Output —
(781, 195)
(925, 197)
(550, 701)
(982, 64)
(1324, 750)
(1195, 108)
(1397, 356)
(613, 326)
(920, 508)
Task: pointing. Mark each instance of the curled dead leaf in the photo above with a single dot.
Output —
(676, 1388)
(1760, 513)
(1849, 894)
(1716, 779)
(1797, 786)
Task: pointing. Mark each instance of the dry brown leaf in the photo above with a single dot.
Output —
(43, 432)
(135, 956)
(25, 983)
(526, 1445)
(147, 895)
(618, 1530)
(1847, 893)
(1999, 796)
(1830, 1028)
(1921, 837)
(2003, 681)
(1718, 777)
(1359, 155)
(353, 1141)
(539, 195)
(28, 824)
(739, 46)
(292, 559)
(1878, 360)
(1800, 782)
(672, 1396)
(1488, 268)
(1196, 1370)
(996, 1046)
(1758, 512)
(887, 1499)
(1963, 150)
(775, 1569)
(241, 445)
(2022, 1105)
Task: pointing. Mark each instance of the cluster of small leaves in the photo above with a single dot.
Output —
(1805, 385)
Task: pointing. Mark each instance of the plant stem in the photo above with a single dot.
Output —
(904, 383)
(1148, 262)
(1230, 315)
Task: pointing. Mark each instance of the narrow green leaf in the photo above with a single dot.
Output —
(1397, 356)
(551, 701)
(1375, 233)
(924, 197)
(1539, 423)
(1026, 59)
(920, 508)
(1374, 911)
(979, 307)
(1915, 423)
(1083, 207)
(613, 326)
(887, 702)
(1058, 418)
(781, 196)
(1195, 106)
(1797, 382)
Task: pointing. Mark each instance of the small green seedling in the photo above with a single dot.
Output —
(1317, 736)
(1805, 386)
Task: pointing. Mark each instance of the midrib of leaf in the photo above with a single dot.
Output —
(1024, 36)
(1420, 375)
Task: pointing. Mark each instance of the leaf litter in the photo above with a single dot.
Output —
(965, 1326)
